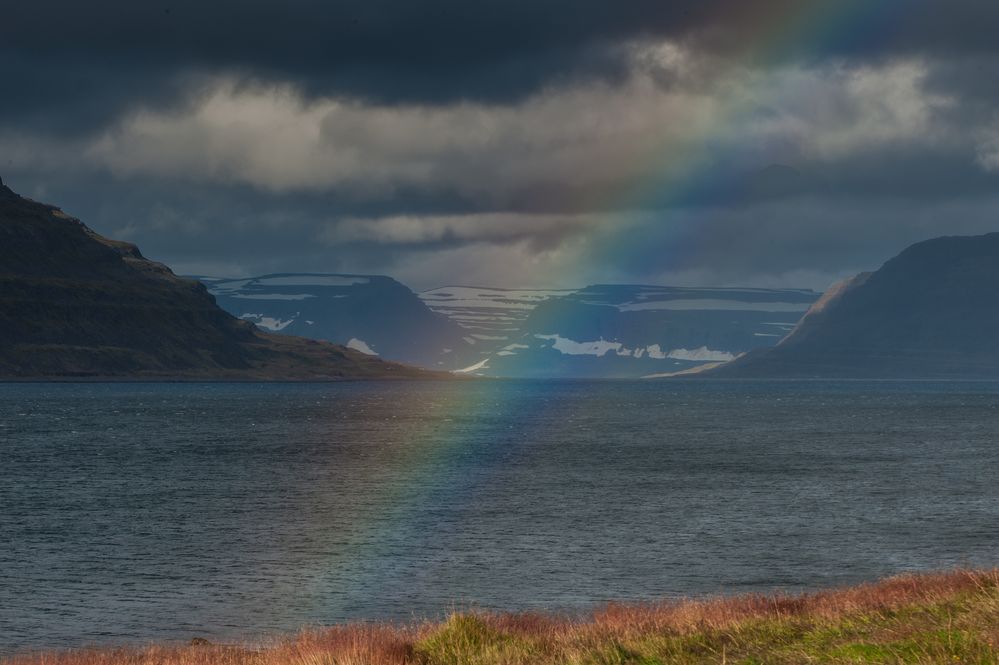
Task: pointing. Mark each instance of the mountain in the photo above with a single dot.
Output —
(372, 314)
(486, 313)
(76, 304)
(930, 312)
(600, 331)
(490, 318)
(625, 331)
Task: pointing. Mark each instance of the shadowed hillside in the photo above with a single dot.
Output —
(75, 304)
(930, 312)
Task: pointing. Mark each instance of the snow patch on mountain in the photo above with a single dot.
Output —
(361, 345)
(312, 280)
(722, 305)
(271, 296)
(482, 364)
(511, 349)
(488, 298)
(487, 311)
(602, 347)
(267, 322)
(717, 305)
(654, 351)
(571, 347)
(702, 354)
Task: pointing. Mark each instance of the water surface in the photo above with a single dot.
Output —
(131, 513)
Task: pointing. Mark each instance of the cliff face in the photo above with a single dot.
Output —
(76, 304)
(931, 312)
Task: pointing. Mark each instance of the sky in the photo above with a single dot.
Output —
(514, 143)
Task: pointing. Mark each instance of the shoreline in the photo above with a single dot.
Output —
(921, 618)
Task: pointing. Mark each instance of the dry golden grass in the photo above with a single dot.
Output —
(947, 617)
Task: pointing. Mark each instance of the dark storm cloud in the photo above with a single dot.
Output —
(972, 79)
(106, 51)
(65, 98)
(430, 51)
(491, 138)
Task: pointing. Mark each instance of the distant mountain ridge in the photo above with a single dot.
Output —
(615, 330)
(930, 312)
(630, 331)
(374, 314)
(488, 312)
(74, 304)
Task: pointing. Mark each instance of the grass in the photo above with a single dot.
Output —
(937, 618)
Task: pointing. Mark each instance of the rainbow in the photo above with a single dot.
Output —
(440, 430)
(429, 465)
(693, 174)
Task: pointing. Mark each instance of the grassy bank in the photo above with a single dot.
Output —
(940, 618)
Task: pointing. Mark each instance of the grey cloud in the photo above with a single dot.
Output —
(562, 141)
(536, 232)
(571, 149)
(766, 242)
